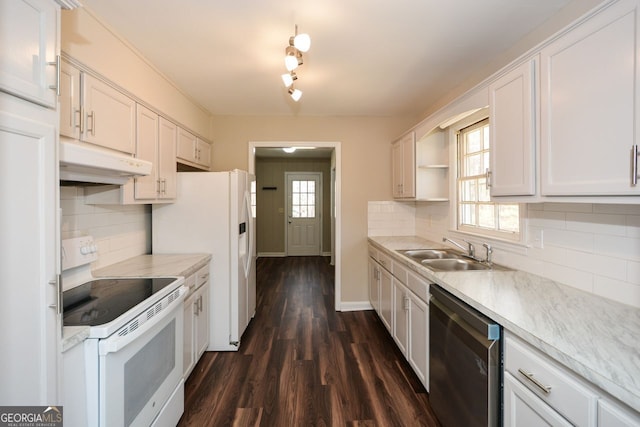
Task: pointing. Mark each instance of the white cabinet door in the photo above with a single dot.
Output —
(403, 163)
(186, 145)
(374, 285)
(203, 153)
(386, 297)
(202, 321)
(418, 355)
(589, 97)
(29, 49)
(29, 263)
(147, 187)
(400, 316)
(70, 113)
(167, 144)
(611, 414)
(109, 116)
(189, 325)
(513, 132)
(522, 408)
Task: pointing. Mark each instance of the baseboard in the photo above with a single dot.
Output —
(271, 254)
(355, 306)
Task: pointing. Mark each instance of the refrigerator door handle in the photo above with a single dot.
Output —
(249, 253)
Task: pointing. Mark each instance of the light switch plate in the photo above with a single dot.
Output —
(537, 238)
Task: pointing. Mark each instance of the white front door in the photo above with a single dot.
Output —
(304, 210)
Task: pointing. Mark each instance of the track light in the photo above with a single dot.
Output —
(298, 43)
(296, 94)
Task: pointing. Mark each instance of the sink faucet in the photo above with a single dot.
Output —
(471, 250)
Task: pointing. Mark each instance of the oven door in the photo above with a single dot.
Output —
(141, 369)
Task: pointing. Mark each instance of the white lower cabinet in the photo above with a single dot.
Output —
(386, 298)
(400, 316)
(196, 319)
(401, 301)
(374, 284)
(418, 354)
(522, 408)
(611, 414)
(539, 391)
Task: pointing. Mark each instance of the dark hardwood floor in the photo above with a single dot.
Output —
(302, 363)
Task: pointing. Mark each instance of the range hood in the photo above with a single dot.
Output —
(83, 163)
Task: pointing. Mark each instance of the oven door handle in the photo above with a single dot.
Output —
(115, 342)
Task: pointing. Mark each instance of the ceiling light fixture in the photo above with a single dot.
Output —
(296, 94)
(298, 43)
(289, 150)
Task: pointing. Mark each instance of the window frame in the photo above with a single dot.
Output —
(511, 237)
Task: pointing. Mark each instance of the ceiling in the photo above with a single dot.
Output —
(367, 57)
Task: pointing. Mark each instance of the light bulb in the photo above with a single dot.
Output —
(302, 42)
(288, 79)
(289, 150)
(296, 94)
(290, 62)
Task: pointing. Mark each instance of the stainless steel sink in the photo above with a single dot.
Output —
(455, 264)
(427, 254)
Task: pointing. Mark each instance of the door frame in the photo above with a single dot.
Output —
(319, 194)
(337, 164)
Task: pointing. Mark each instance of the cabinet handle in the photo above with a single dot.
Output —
(634, 165)
(200, 304)
(77, 123)
(56, 64)
(163, 181)
(195, 308)
(92, 114)
(546, 389)
(158, 186)
(487, 178)
(406, 303)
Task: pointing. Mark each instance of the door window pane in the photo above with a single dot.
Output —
(303, 199)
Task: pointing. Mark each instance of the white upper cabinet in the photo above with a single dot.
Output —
(109, 116)
(193, 151)
(512, 122)
(70, 112)
(403, 163)
(92, 111)
(29, 48)
(589, 105)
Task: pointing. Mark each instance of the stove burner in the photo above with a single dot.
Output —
(102, 300)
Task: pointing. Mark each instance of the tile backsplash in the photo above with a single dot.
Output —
(593, 247)
(121, 232)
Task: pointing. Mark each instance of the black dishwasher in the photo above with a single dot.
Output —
(465, 363)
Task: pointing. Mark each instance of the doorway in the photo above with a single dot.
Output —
(303, 213)
(334, 205)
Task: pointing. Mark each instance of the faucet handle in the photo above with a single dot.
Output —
(472, 249)
(489, 251)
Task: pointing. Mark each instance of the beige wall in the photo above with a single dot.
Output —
(87, 40)
(366, 171)
(270, 172)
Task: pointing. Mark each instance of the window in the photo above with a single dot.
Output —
(476, 212)
(303, 199)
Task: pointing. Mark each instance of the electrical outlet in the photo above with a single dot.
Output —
(537, 238)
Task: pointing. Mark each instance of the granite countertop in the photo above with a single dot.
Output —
(598, 339)
(157, 265)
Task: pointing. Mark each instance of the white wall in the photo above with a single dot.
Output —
(593, 247)
(121, 232)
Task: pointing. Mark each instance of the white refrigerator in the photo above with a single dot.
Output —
(213, 214)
